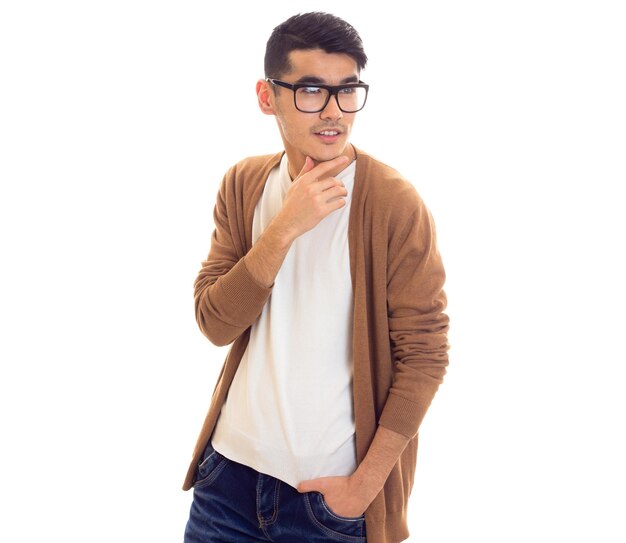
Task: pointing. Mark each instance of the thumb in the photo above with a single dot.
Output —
(311, 485)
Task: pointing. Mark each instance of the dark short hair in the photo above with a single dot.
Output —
(316, 30)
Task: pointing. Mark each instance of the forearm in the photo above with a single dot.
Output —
(351, 495)
(384, 451)
(227, 306)
(267, 255)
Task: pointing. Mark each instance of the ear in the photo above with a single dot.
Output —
(265, 96)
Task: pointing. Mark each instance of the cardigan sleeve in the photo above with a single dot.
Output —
(227, 298)
(417, 323)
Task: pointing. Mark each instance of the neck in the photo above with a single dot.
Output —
(297, 163)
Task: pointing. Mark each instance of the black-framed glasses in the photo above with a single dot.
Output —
(311, 98)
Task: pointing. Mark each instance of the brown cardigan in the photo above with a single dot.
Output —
(400, 331)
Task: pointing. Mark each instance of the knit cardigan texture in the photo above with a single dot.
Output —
(399, 331)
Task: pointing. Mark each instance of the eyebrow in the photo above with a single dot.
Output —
(314, 80)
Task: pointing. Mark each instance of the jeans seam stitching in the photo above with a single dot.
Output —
(326, 529)
(276, 492)
(260, 519)
(213, 475)
(344, 519)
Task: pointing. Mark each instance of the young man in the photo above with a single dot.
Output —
(324, 273)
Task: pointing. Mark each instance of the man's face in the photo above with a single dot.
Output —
(323, 135)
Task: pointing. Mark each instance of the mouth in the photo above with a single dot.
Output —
(329, 135)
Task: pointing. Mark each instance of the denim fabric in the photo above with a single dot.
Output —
(233, 503)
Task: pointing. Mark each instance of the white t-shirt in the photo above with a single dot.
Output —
(289, 411)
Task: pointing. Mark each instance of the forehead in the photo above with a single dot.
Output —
(330, 68)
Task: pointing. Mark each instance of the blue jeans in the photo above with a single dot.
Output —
(233, 503)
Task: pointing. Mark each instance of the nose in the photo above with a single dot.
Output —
(332, 111)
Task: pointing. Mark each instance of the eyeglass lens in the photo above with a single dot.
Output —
(312, 99)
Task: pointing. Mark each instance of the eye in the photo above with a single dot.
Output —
(310, 90)
(347, 90)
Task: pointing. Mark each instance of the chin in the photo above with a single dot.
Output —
(328, 154)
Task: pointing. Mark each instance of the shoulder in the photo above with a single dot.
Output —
(255, 165)
(386, 187)
(246, 176)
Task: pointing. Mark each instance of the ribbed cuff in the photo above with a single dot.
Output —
(243, 291)
(401, 415)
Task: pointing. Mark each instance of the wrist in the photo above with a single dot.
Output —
(365, 486)
(283, 234)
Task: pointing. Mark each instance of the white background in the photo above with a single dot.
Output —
(118, 120)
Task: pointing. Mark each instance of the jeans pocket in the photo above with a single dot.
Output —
(211, 465)
(332, 513)
(333, 525)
